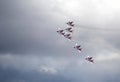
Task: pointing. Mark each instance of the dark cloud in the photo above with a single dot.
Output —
(32, 51)
(13, 75)
(23, 30)
(26, 28)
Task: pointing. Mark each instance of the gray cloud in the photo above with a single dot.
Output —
(71, 69)
(29, 76)
(29, 42)
(25, 30)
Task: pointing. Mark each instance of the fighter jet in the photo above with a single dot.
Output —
(70, 23)
(61, 32)
(78, 47)
(69, 29)
(90, 59)
(68, 36)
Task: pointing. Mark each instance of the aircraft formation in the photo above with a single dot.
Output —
(67, 33)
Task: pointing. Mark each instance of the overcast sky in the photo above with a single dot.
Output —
(32, 51)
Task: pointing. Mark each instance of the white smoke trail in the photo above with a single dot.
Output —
(96, 28)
